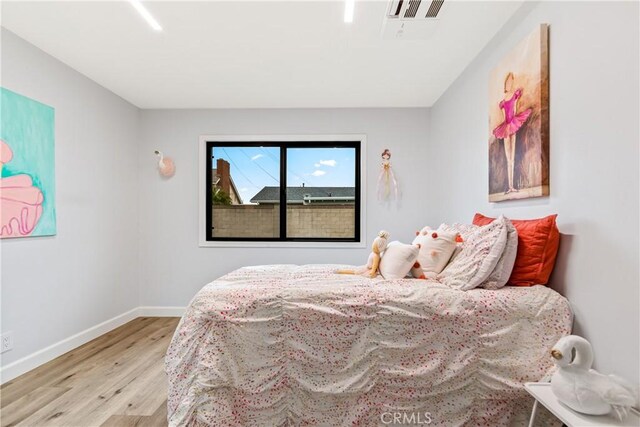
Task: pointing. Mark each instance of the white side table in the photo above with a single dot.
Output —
(543, 394)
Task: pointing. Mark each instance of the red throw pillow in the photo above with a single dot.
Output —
(538, 241)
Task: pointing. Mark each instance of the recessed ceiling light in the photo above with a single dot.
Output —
(145, 14)
(348, 10)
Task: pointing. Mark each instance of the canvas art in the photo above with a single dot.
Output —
(27, 174)
(519, 121)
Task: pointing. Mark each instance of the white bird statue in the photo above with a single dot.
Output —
(584, 389)
(166, 167)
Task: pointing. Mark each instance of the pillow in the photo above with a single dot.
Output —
(397, 260)
(480, 253)
(465, 230)
(436, 248)
(538, 242)
(501, 273)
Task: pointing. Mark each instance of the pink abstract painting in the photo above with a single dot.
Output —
(20, 201)
(27, 202)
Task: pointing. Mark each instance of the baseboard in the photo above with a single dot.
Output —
(40, 357)
(161, 311)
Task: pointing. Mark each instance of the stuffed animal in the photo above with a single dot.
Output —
(373, 262)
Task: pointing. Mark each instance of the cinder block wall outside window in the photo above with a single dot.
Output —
(336, 221)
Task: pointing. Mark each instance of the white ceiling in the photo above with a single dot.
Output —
(264, 54)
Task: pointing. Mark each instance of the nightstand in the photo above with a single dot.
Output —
(543, 394)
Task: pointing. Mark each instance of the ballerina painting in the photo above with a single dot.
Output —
(26, 167)
(519, 122)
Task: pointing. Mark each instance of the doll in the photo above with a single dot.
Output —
(373, 262)
(387, 183)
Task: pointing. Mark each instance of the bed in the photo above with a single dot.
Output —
(287, 345)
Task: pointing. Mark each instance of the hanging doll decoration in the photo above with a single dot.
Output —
(387, 183)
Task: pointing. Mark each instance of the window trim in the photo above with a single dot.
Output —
(301, 140)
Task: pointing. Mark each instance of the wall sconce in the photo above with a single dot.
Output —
(166, 167)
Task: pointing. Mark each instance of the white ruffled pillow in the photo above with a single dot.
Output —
(481, 251)
(397, 260)
(501, 273)
(465, 230)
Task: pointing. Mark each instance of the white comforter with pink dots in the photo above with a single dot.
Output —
(299, 345)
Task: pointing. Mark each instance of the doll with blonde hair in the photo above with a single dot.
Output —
(373, 262)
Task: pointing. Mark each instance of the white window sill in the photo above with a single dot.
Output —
(316, 245)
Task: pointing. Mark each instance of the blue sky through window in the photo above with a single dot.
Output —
(253, 168)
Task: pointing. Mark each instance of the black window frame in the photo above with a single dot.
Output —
(283, 145)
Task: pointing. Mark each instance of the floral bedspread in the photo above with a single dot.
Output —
(299, 345)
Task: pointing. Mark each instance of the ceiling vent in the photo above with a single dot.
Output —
(411, 19)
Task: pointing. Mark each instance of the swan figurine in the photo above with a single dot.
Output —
(583, 389)
(166, 167)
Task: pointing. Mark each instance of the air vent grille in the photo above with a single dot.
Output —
(434, 8)
(412, 9)
(412, 19)
(396, 12)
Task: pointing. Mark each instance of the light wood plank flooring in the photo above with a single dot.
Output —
(117, 379)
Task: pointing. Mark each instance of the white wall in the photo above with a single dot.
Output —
(174, 268)
(54, 287)
(594, 163)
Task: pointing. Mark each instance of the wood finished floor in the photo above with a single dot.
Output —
(117, 379)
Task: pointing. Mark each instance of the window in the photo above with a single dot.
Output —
(282, 191)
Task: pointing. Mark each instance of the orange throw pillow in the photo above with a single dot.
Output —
(538, 241)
